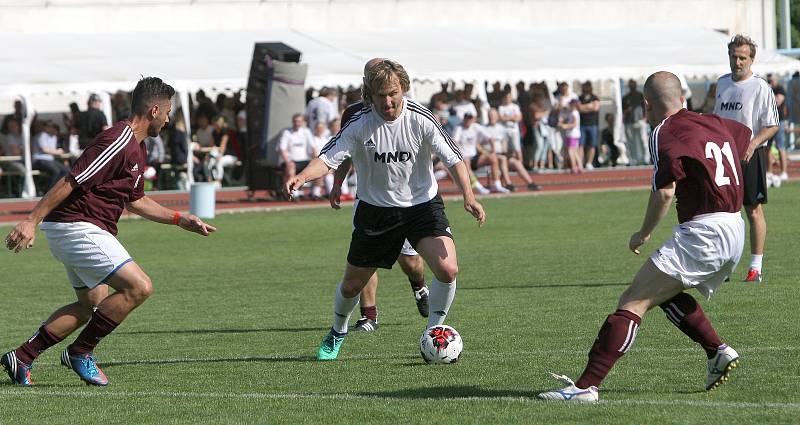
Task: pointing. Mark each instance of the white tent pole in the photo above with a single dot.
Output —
(480, 86)
(30, 189)
(105, 97)
(184, 97)
(619, 133)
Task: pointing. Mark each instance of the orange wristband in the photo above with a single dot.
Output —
(176, 218)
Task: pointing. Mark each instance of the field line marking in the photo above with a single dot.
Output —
(350, 397)
(110, 361)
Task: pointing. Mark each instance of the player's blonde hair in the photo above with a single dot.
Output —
(377, 75)
(742, 40)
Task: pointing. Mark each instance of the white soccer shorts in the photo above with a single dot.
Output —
(703, 251)
(90, 254)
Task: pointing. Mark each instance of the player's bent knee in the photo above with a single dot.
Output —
(352, 287)
(446, 272)
(141, 289)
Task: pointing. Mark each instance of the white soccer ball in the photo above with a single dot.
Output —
(441, 344)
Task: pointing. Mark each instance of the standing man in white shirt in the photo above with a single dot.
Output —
(391, 141)
(748, 99)
(510, 115)
(296, 150)
(322, 108)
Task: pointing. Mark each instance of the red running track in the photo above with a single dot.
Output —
(12, 211)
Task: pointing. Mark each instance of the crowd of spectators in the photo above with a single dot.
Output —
(522, 130)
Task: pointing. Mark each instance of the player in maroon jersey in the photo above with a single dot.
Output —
(698, 162)
(79, 217)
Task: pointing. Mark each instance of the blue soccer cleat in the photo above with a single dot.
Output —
(18, 371)
(86, 368)
(329, 349)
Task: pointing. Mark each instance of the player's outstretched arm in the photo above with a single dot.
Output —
(461, 177)
(338, 178)
(657, 208)
(153, 211)
(314, 170)
(23, 235)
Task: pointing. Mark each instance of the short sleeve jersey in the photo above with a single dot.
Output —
(469, 138)
(320, 109)
(750, 102)
(298, 144)
(589, 118)
(393, 158)
(350, 111)
(499, 137)
(109, 175)
(510, 110)
(702, 154)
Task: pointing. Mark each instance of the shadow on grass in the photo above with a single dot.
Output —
(450, 392)
(220, 331)
(266, 359)
(546, 285)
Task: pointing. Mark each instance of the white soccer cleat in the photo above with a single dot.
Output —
(720, 366)
(571, 392)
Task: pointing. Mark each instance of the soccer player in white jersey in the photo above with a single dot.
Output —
(748, 99)
(391, 142)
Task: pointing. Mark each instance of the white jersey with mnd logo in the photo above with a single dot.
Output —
(750, 102)
(393, 158)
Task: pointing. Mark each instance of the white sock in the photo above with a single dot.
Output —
(755, 261)
(342, 309)
(497, 184)
(477, 185)
(345, 188)
(440, 298)
(328, 182)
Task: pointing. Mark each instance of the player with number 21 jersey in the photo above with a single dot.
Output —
(702, 153)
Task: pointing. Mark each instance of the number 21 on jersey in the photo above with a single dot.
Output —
(714, 151)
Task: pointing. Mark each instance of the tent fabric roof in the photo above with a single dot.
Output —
(61, 63)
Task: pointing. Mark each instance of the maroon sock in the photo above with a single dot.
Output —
(370, 312)
(615, 338)
(98, 327)
(416, 286)
(40, 341)
(684, 311)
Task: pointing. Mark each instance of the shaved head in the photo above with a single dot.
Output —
(663, 90)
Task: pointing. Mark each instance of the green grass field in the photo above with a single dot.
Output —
(230, 333)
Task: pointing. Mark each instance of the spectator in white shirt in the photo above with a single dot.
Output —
(470, 137)
(296, 150)
(45, 146)
(322, 108)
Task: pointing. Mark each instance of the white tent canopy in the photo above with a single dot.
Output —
(46, 69)
(64, 63)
